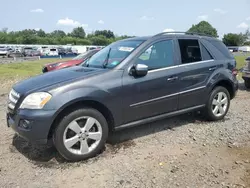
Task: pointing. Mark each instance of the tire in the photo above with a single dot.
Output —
(209, 113)
(83, 140)
(247, 84)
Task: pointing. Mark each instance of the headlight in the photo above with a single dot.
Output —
(35, 100)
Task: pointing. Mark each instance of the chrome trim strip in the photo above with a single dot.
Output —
(155, 99)
(182, 65)
(166, 96)
(189, 90)
(165, 68)
(11, 98)
(11, 106)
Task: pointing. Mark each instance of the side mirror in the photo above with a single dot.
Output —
(139, 70)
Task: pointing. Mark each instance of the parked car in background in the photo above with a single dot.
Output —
(61, 51)
(246, 73)
(26, 50)
(4, 52)
(33, 52)
(51, 52)
(69, 63)
(122, 86)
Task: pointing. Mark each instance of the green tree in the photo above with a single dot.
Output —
(106, 33)
(78, 32)
(58, 33)
(233, 39)
(41, 33)
(4, 30)
(204, 27)
(99, 40)
(247, 43)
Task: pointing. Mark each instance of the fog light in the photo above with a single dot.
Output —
(25, 124)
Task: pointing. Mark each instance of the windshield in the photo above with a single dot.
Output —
(81, 56)
(116, 53)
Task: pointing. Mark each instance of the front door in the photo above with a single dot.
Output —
(157, 92)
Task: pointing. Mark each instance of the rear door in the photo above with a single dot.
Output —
(197, 65)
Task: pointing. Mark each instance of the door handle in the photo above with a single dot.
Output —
(212, 68)
(172, 78)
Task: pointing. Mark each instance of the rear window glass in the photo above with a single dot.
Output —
(222, 48)
(205, 53)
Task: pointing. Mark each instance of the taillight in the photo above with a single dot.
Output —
(235, 72)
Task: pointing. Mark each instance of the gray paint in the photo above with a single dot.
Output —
(130, 100)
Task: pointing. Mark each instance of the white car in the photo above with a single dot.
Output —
(4, 52)
(51, 52)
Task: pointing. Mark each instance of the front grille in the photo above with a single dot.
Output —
(13, 99)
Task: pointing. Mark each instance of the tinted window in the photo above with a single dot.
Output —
(159, 55)
(190, 50)
(222, 48)
(205, 53)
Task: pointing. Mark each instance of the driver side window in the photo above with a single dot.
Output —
(157, 56)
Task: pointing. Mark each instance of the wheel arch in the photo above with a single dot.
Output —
(226, 84)
(81, 103)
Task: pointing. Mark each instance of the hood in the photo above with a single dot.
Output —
(56, 77)
(65, 62)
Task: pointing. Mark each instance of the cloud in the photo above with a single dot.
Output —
(202, 18)
(248, 19)
(220, 11)
(38, 10)
(37, 29)
(70, 23)
(168, 30)
(147, 18)
(243, 25)
(101, 22)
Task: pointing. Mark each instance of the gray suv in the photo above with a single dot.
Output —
(129, 82)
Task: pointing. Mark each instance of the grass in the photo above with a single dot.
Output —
(23, 69)
(31, 68)
(240, 64)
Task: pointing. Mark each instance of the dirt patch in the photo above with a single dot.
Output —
(184, 151)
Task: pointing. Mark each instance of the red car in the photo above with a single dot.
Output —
(73, 62)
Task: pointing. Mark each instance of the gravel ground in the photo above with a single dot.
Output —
(181, 152)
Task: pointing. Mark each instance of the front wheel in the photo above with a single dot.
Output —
(81, 134)
(218, 104)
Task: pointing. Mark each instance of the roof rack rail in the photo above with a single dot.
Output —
(181, 32)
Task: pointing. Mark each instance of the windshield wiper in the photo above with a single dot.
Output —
(105, 63)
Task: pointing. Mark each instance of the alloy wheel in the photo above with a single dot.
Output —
(219, 104)
(82, 135)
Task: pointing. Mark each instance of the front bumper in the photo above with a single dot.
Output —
(32, 125)
(45, 69)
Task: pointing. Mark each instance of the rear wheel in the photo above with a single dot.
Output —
(218, 104)
(81, 134)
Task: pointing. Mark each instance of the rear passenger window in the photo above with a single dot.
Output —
(205, 53)
(222, 48)
(190, 50)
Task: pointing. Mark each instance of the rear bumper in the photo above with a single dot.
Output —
(245, 74)
(235, 85)
(32, 125)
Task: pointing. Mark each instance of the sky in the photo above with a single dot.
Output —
(130, 17)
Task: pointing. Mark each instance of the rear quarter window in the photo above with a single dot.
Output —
(222, 48)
